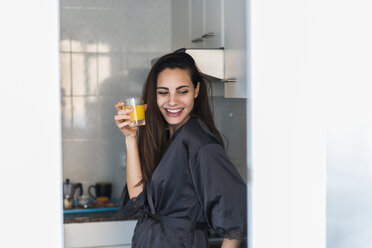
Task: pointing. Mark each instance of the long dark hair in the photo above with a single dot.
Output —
(153, 137)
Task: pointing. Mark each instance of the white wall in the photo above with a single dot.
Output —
(31, 207)
(311, 75)
(288, 128)
(349, 124)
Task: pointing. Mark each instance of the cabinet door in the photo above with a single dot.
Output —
(99, 234)
(180, 24)
(235, 29)
(196, 23)
(193, 20)
(213, 23)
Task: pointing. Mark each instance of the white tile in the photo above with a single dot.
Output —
(66, 117)
(136, 36)
(78, 23)
(81, 162)
(65, 36)
(65, 73)
(110, 30)
(159, 30)
(104, 67)
(159, 5)
(119, 180)
(110, 74)
(65, 44)
(82, 29)
(86, 124)
(112, 153)
(135, 5)
(84, 74)
(231, 121)
(107, 111)
(136, 71)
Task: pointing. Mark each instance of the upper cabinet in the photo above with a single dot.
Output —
(236, 49)
(213, 23)
(197, 24)
(216, 24)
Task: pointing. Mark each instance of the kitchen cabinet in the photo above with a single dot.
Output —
(99, 234)
(197, 24)
(193, 20)
(236, 49)
(213, 24)
(206, 18)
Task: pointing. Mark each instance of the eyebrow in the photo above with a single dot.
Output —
(180, 87)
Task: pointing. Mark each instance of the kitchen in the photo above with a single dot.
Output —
(295, 163)
(106, 51)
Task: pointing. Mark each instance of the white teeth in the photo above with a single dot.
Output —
(174, 110)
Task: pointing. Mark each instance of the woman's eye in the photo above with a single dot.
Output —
(162, 92)
(183, 92)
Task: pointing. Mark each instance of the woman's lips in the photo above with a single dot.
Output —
(173, 112)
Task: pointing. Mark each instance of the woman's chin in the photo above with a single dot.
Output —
(173, 122)
(176, 121)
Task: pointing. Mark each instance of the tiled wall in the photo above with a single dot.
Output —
(230, 115)
(105, 50)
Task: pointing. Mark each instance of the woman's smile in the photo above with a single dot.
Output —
(174, 112)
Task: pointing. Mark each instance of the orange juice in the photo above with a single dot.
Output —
(138, 113)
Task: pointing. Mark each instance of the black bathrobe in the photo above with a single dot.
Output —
(194, 188)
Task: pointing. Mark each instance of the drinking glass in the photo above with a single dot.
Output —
(138, 114)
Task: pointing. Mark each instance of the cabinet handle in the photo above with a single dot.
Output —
(229, 80)
(204, 36)
(208, 35)
(197, 40)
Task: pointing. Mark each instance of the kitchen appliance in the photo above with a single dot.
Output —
(69, 192)
(210, 61)
(101, 189)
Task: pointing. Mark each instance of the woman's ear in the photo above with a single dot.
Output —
(196, 92)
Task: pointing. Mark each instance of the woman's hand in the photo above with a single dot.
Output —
(122, 120)
(230, 243)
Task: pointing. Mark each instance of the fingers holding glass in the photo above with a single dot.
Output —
(123, 119)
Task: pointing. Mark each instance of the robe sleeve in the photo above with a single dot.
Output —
(129, 207)
(221, 191)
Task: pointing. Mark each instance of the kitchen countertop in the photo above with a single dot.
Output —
(92, 216)
(97, 216)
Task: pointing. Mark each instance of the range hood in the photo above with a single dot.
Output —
(209, 61)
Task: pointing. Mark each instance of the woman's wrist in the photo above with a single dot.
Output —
(129, 140)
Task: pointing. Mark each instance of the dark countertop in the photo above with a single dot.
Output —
(70, 218)
(81, 217)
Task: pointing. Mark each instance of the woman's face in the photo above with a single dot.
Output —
(175, 95)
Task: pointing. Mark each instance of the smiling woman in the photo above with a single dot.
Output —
(176, 163)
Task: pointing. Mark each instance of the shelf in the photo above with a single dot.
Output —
(88, 210)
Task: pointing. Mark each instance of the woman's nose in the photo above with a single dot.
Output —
(172, 100)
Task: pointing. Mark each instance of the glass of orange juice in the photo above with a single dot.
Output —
(138, 113)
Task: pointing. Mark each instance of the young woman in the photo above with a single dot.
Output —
(178, 173)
